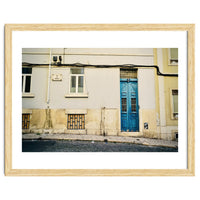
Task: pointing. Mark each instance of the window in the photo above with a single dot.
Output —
(128, 73)
(26, 79)
(76, 121)
(173, 56)
(175, 103)
(176, 136)
(124, 105)
(25, 121)
(133, 105)
(77, 80)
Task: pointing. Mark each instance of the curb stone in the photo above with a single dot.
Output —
(117, 139)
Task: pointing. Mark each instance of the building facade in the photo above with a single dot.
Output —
(122, 92)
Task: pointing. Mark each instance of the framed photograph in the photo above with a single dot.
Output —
(99, 100)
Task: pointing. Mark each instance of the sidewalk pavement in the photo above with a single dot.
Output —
(122, 139)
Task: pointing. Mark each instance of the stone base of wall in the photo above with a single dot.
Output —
(105, 122)
(168, 132)
(131, 134)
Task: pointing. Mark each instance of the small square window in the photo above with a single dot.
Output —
(76, 121)
(25, 121)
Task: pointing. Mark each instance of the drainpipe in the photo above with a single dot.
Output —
(102, 123)
(49, 80)
(48, 115)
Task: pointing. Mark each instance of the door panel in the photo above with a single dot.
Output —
(124, 105)
(129, 105)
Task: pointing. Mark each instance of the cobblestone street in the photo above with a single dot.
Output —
(88, 146)
(93, 143)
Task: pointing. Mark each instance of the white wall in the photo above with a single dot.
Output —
(101, 85)
(38, 89)
(98, 56)
(99, 51)
(146, 88)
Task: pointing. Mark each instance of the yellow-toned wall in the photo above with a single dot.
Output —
(156, 84)
(149, 116)
(169, 83)
(37, 119)
(93, 121)
(58, 118)
(167, 68)
(97, 121)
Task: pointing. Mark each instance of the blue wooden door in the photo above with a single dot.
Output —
(129, 105)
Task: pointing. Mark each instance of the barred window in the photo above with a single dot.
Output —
(128, 73)
(133, 104)
(25, 121)
(76, 121)
(124, 105)
(175, 103)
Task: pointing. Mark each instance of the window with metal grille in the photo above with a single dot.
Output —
(128, 73)
(25, 121)
(175, 103)
(124, 105)
(133, 104)
(76, 121)
(26, 79)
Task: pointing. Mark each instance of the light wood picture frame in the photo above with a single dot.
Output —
(189, 28)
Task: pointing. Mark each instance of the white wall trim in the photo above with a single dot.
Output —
(76, 111)
(26, 111)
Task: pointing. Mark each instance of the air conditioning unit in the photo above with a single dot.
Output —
(57, 60)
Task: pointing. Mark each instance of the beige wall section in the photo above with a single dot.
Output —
(112, 125)
(37, 120)
(147, 102)
(168, 126)
(58, 118)
(169, 83)
(161, 89)
(157, 89)
(168, 68)
(94, 124)
(97, 121)
(149, 116)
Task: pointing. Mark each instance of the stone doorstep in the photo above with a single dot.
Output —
(139, 140)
